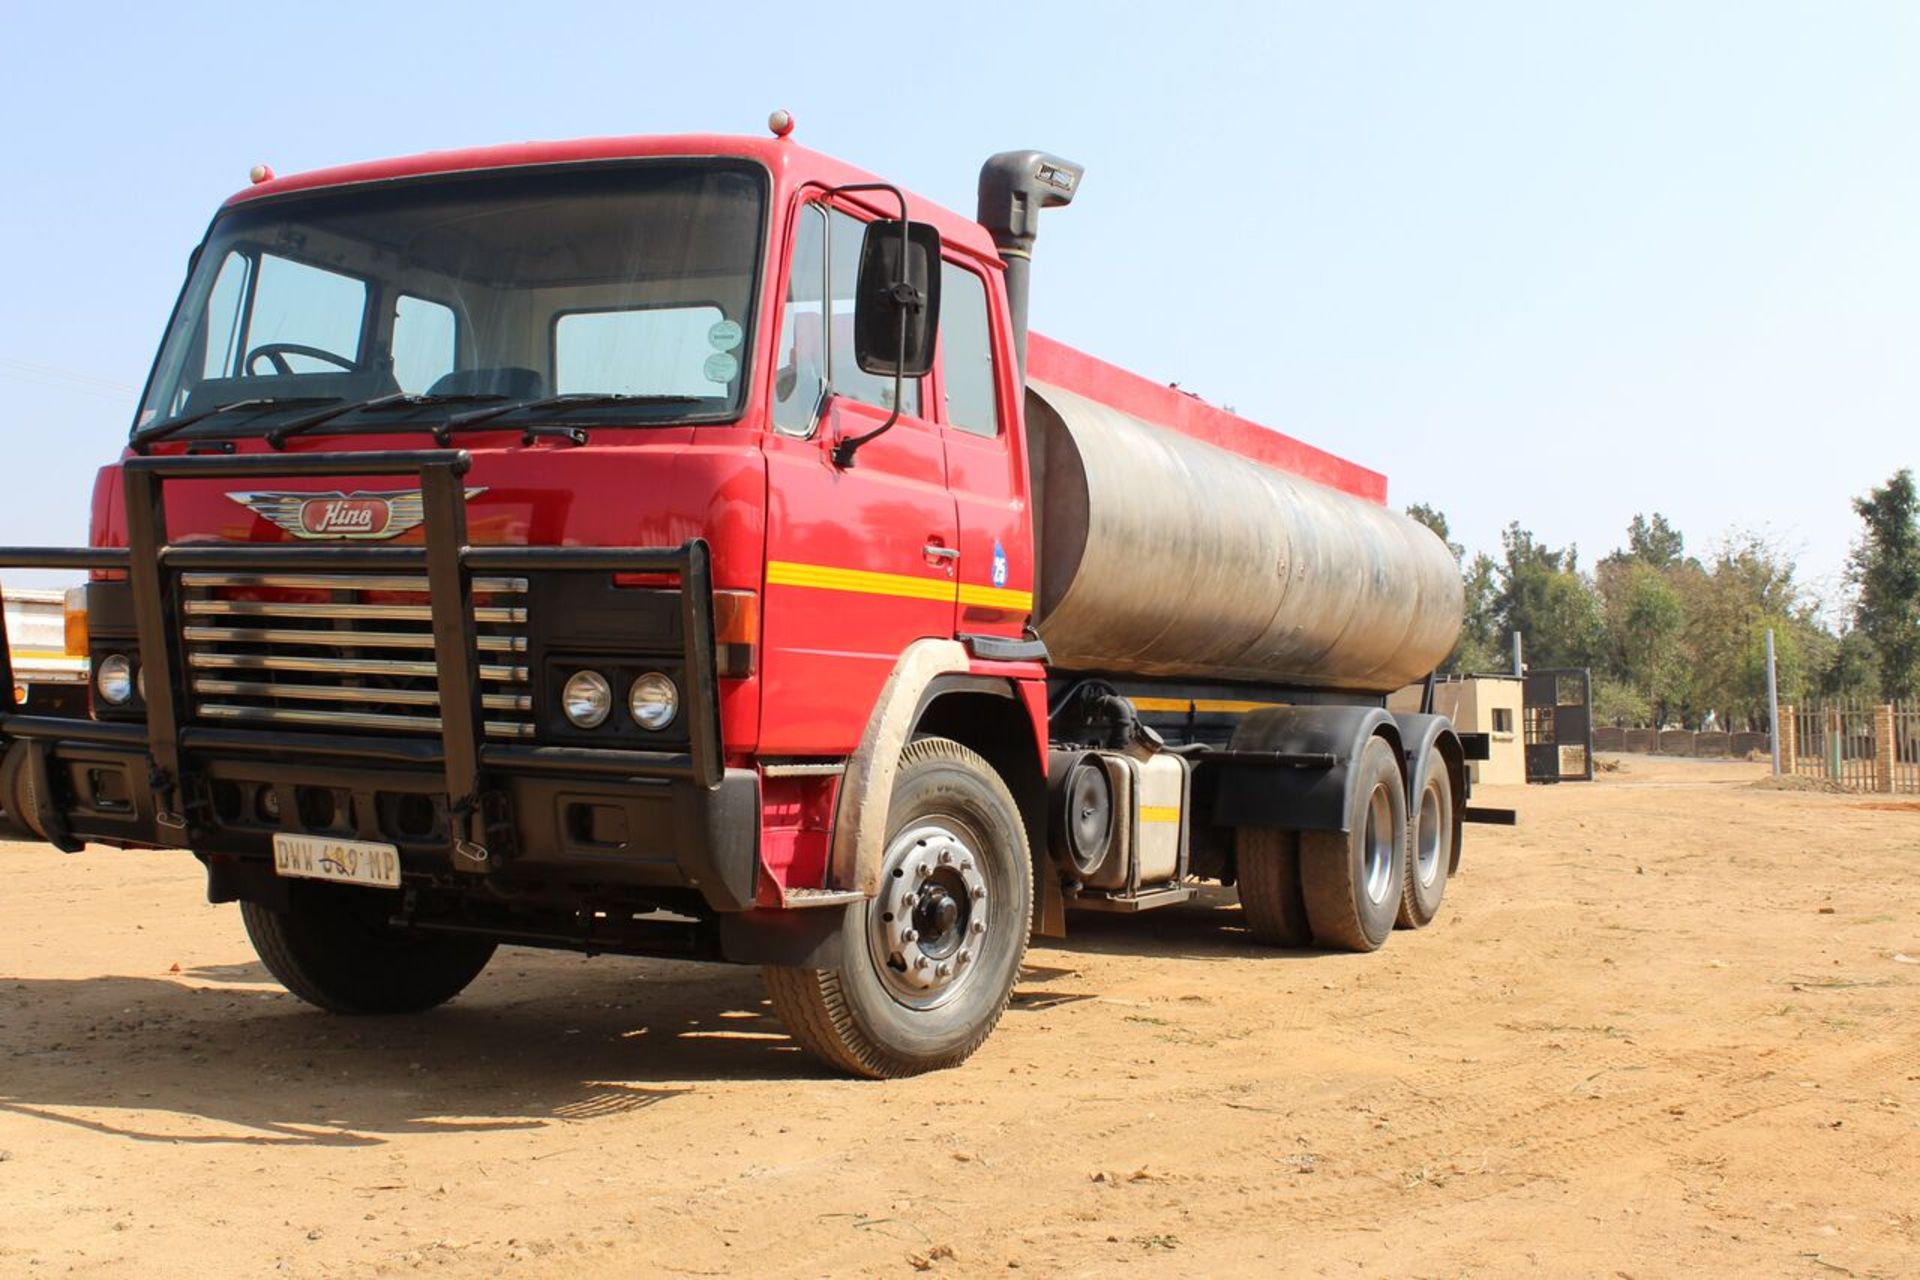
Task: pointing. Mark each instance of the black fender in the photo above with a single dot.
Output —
(1291, 767)
(1429, 741)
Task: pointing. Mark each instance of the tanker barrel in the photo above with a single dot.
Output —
(1163, 555)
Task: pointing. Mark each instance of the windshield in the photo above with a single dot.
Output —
(629, 287)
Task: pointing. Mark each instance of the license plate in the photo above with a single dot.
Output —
(346, 861)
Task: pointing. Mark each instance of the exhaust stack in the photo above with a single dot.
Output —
(1014, 187)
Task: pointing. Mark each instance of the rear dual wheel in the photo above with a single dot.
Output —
(930, 961)
(1338, 889)
(1430, 844)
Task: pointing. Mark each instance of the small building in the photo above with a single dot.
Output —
(1480, 704)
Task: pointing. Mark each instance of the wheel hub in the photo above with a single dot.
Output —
(930, 915)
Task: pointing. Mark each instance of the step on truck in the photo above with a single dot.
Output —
(677, 546)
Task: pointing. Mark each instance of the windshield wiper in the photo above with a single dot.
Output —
(397, 400)
(146, 435)
(443, 433)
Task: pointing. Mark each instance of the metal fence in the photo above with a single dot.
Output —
(1835, 741)
(1862, 746)
(1906, 747)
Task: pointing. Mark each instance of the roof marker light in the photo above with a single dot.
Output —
(260, 173)
(781, 122)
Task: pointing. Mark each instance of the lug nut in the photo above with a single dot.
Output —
(944, 971)
(966, 864)
(946, 857)
(920, 963)
(910, 935)
(979, 892)
(979, 926)
(965, 956)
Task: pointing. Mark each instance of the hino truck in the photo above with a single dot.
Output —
(679, 546)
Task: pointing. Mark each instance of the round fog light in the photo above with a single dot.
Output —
(114, 679)
(586, 699)
(653, 701)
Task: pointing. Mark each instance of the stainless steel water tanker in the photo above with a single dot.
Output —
(1163, 555)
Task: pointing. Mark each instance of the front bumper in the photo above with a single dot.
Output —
(565, 818)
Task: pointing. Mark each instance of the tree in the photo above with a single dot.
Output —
(1653, 542)
(1645, 617)
(1478, 648)
(1885, 567)
(1544, 597)
(1748, 588)
(1434, 519)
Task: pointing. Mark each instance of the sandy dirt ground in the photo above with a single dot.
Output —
(1668, 1025)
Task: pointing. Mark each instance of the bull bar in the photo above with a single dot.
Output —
(153, 565)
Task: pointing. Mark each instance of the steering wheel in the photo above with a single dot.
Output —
(276, 353)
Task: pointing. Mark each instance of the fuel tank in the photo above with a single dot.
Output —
(1161, 554)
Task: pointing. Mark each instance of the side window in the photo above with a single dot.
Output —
(423, 343)
(655, 351)
(223, 317)
(966, 352)
(801, 374)
(298, 305)
(846, 234)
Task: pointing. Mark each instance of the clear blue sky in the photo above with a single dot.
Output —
(1546, 263)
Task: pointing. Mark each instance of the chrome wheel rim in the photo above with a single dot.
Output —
(1377, 848)
(1427, 836)
(927, 923)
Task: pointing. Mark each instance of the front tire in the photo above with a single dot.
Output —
(332, 947)
(929, 962)
(1353, 880)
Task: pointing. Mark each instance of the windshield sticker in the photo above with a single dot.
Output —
(721, 367)
(724, 336)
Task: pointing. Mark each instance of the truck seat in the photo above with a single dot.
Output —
(511, 381)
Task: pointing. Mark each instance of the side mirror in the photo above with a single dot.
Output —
(896, 310)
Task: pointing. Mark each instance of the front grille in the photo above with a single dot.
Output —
(341, 651)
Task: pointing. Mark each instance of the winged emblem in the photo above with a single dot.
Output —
(354, 517)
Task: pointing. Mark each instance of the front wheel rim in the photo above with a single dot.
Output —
(927, 924)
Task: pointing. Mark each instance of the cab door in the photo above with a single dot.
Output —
(861, 561)
(976, 385)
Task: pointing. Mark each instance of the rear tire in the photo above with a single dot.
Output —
(1267, 874)
(1353, 880)
(929, 963)
(333, 948)
(1429, 844)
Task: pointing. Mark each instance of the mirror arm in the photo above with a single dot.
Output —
(847, 446)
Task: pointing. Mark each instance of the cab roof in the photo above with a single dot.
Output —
(791, 165)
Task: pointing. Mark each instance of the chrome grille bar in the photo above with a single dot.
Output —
(350, 719)
(344, 639)
(350, 693)
(344, 582)
(340, 666)
(299, 609)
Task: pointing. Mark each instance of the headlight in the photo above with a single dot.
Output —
(114, 679)
(586, 698)
(653, 701)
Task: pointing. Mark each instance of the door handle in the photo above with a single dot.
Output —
(938, 552)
